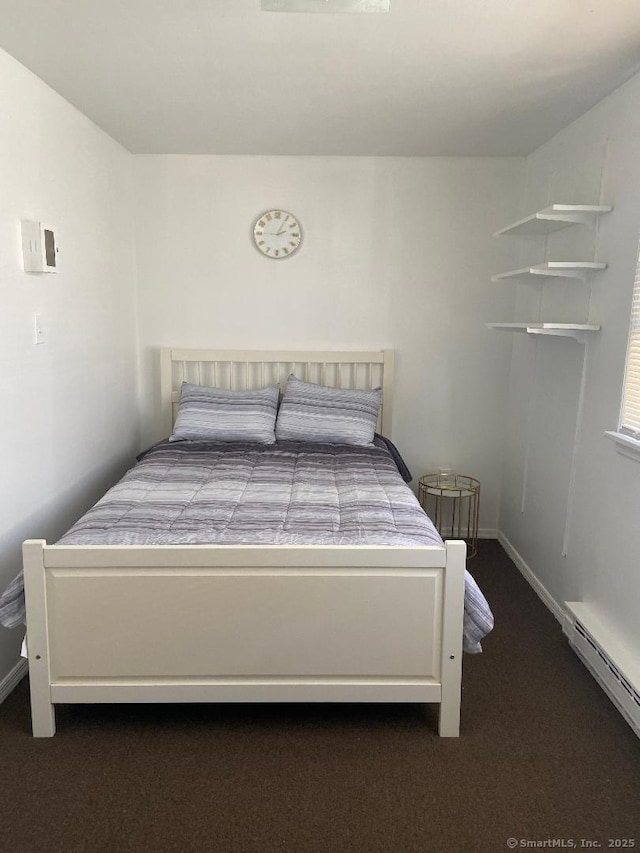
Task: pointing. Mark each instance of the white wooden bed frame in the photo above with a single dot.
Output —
(208, 623)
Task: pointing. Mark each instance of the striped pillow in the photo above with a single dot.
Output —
(311, 412)
(215, 414)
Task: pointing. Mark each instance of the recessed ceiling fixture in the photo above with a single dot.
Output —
(333, 6)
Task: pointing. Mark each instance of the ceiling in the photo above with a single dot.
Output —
(432, 77)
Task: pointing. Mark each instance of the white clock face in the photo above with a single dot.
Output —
(277, 234)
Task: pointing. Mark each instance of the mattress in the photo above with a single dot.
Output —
(288, 493)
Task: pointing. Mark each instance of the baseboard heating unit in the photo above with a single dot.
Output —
(605, 657)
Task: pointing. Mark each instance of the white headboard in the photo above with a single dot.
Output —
(249, 369)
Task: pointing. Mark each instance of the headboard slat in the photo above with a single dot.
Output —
(216, 368)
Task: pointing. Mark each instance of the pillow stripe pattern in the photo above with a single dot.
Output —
(216, 414)
(319, 413)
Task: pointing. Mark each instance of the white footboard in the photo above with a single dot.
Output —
(244, 624)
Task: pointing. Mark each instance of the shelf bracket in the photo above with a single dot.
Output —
(577, 334)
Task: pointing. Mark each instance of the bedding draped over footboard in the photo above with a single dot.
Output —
(290, 493)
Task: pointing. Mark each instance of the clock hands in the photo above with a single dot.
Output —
(284, 227)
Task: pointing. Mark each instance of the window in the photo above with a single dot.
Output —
(630, 417)
(628, 435)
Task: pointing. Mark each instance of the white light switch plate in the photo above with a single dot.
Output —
(38, 330)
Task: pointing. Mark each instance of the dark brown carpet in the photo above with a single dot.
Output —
(543, 756)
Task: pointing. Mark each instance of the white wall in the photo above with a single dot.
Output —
(593, 160)
(397, 252)
(69, 420)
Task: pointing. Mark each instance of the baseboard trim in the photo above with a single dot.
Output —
(541, 591)
(484, 533)
(487, 533)
(13, 678)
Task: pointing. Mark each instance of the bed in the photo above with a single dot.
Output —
(290, 619)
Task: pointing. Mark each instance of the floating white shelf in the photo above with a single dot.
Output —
(564, 330)
(552, 269)
(554, 217)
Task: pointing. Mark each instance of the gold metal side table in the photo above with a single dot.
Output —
(452, 502)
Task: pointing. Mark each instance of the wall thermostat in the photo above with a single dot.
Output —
(39, 249)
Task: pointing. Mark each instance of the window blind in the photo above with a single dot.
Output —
(630, 420)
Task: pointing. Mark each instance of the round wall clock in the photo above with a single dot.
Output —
(277, 234)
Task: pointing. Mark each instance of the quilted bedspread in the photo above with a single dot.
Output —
(287, 493)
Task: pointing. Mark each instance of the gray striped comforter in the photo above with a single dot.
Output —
(238, 493)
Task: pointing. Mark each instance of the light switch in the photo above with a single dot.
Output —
(38, 330)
